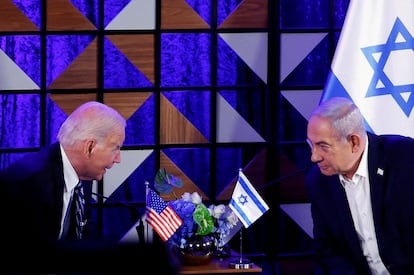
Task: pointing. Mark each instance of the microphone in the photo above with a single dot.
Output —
(140, 227)
(294, 173)
(120, 203)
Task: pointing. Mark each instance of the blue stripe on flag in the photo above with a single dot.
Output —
(252, 195)
(334, 88)
(241, 213)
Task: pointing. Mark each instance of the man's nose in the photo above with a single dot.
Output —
(315, 157)
(117, 158)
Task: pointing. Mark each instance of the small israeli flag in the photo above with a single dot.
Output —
(246, 203)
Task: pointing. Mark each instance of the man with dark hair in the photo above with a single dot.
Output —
(361, 193)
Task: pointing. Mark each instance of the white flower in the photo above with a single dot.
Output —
(186, 196)
(196, 198)
(232, 218)
(217, 210)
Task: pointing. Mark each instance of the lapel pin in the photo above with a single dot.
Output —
(380, 172)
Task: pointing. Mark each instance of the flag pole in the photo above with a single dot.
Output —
(242, 263)
(146, 224)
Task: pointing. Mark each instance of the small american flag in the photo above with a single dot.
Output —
(161, 216)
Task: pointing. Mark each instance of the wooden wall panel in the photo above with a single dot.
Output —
(12, 19)
(126, 103)
(63, 16)
(250, 14)
(139, 49)
(177, 14)
(82, 73)
(175, 128)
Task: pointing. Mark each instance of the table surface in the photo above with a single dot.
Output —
(219, 266)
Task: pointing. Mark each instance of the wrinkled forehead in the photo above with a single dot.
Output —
(320, 129)
(317, 123)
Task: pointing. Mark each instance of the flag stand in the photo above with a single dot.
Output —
(146, 230)
(242, 263)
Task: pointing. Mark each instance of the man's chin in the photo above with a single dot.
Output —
(327, 172)
(98, 178)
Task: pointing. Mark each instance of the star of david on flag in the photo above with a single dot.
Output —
(246, 203)
(373, 64)
(160, 216)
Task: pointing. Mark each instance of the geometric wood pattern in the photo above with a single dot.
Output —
(139, 49)
(249, 14)
(188, 184)
(126, 103)
(175, 127)
(255, 171)
(177, 14)
(82, 72)
(69, 102)
(12, 19)
(63, 16)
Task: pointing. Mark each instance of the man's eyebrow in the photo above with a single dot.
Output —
(317, 142)
(321, 142)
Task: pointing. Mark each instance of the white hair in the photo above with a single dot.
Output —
(91, 119)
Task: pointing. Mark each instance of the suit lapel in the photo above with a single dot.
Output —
(58, 180)
(377, 173)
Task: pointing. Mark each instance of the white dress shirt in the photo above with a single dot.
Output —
(359, 200)
(71, 180)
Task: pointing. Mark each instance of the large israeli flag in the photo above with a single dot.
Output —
(374, 64)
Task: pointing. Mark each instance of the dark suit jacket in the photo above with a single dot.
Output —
(32, 197)
(31, 201)
(391, 176)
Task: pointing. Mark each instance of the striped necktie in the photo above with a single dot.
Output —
(79, 201)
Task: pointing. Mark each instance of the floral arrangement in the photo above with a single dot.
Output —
(215, 221)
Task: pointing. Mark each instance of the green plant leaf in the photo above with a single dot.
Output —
(204, 220)
(163, 188)
(164, 182)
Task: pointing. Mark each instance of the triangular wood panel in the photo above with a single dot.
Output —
(249, 14)
(63, 16)
(81, 73)
(13, 19)
(69, 102)
(176, 14)
(188, 184)
(292, 188)
(175, 128)
(139, 49)
(126, 103)
(254, 171)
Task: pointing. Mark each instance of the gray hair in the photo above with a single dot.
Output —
(345, 116)
(91, 119)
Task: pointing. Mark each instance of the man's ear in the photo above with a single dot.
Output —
(355, 141)
(89, 147)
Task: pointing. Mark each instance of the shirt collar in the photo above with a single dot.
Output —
(362, 170)
(363, 165)
(69, 173)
